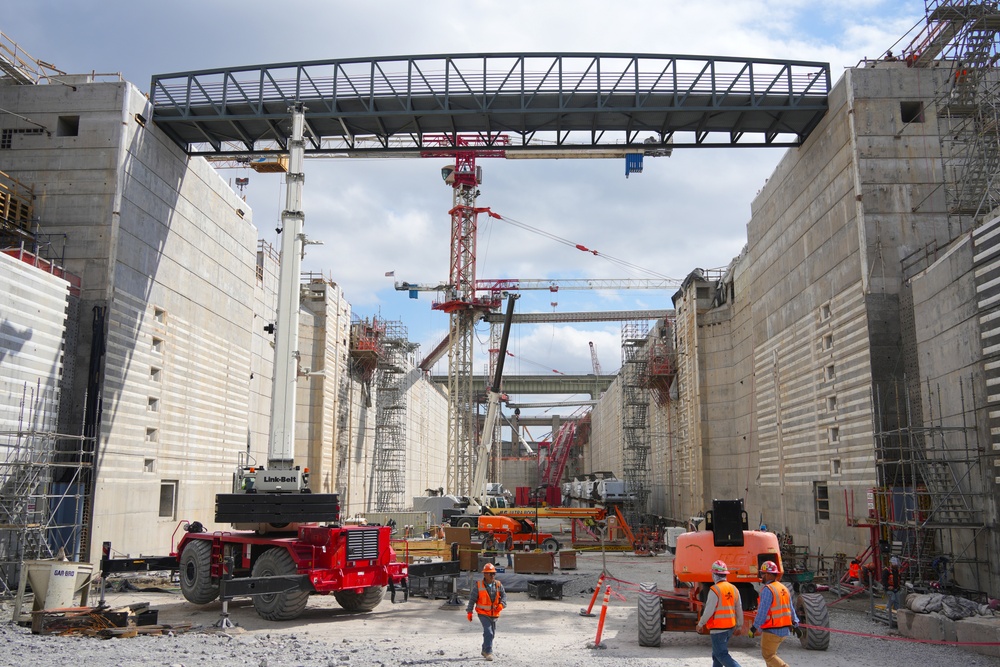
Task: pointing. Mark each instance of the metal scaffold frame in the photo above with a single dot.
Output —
(931, 499)
(42, 491)
(960, 38)
(635, 419)
(389, 462)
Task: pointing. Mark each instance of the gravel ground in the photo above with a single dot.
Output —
(429, 632)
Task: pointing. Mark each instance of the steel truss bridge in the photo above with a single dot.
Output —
(523, 103)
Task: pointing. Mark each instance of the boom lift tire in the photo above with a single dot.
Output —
(196, 573)
(650, 615)
(550, 545)
(811, 609)
(278, 562)
(366, 600)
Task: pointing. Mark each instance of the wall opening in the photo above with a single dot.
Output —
(911, 112)
(68, 126)
(168, 499)
(821, 498)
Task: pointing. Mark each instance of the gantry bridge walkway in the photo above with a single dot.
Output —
(522, 103)
(590, 384)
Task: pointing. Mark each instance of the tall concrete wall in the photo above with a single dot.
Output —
(789, 365)
(822, 278)
(325, 330)
(427, 435)
(813, 325)
(605, 450)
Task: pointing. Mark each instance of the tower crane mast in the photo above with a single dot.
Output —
(461, 303)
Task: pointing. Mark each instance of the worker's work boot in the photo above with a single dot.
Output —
(488, 656)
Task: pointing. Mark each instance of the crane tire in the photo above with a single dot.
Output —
(812, 611)
(278, 606)
(650, 615)
(467, 523)
(196, 573)
(366, 600)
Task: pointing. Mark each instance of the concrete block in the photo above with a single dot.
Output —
(927, 626)
(904, 619)
(979, 629)
(948, 629)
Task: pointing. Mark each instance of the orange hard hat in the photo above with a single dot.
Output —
(489, 568)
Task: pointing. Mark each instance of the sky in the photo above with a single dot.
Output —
(375, 216)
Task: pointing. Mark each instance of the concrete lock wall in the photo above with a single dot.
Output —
(161, 244)
(776, 379)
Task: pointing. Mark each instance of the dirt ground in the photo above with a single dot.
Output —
(432, 632)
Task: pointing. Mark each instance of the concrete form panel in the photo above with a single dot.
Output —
(33, 306)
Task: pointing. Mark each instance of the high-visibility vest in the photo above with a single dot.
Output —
(485, 605)
(725, 611)
(855, 571)
(892, 579)
(780, 613)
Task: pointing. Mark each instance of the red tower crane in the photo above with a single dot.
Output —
(464, 308)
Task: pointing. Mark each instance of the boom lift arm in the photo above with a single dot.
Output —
(492, 411)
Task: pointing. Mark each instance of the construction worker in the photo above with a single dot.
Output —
(854, 571)
(723, 615)
(488, 599)
(892, 581)
(775, 615)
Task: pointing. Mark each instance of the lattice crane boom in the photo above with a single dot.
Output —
(593, 360)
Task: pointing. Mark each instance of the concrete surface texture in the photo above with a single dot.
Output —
(429, 632)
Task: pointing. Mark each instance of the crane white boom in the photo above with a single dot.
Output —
(478, 489)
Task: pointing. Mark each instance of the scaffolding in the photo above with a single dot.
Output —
(366, 348)
(930, 506)
(960, 38)
(634, 376)
(388, 486)
(17, 208)
(43, 494)
(662, 362)
(18, 67)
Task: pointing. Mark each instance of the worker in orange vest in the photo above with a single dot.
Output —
(775, 615)
(892, 581)
(723, 615)
(854, 572)
(488, 598)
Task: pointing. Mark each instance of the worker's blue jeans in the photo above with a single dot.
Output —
(892, 603)
(489, 630)
(720, 650)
